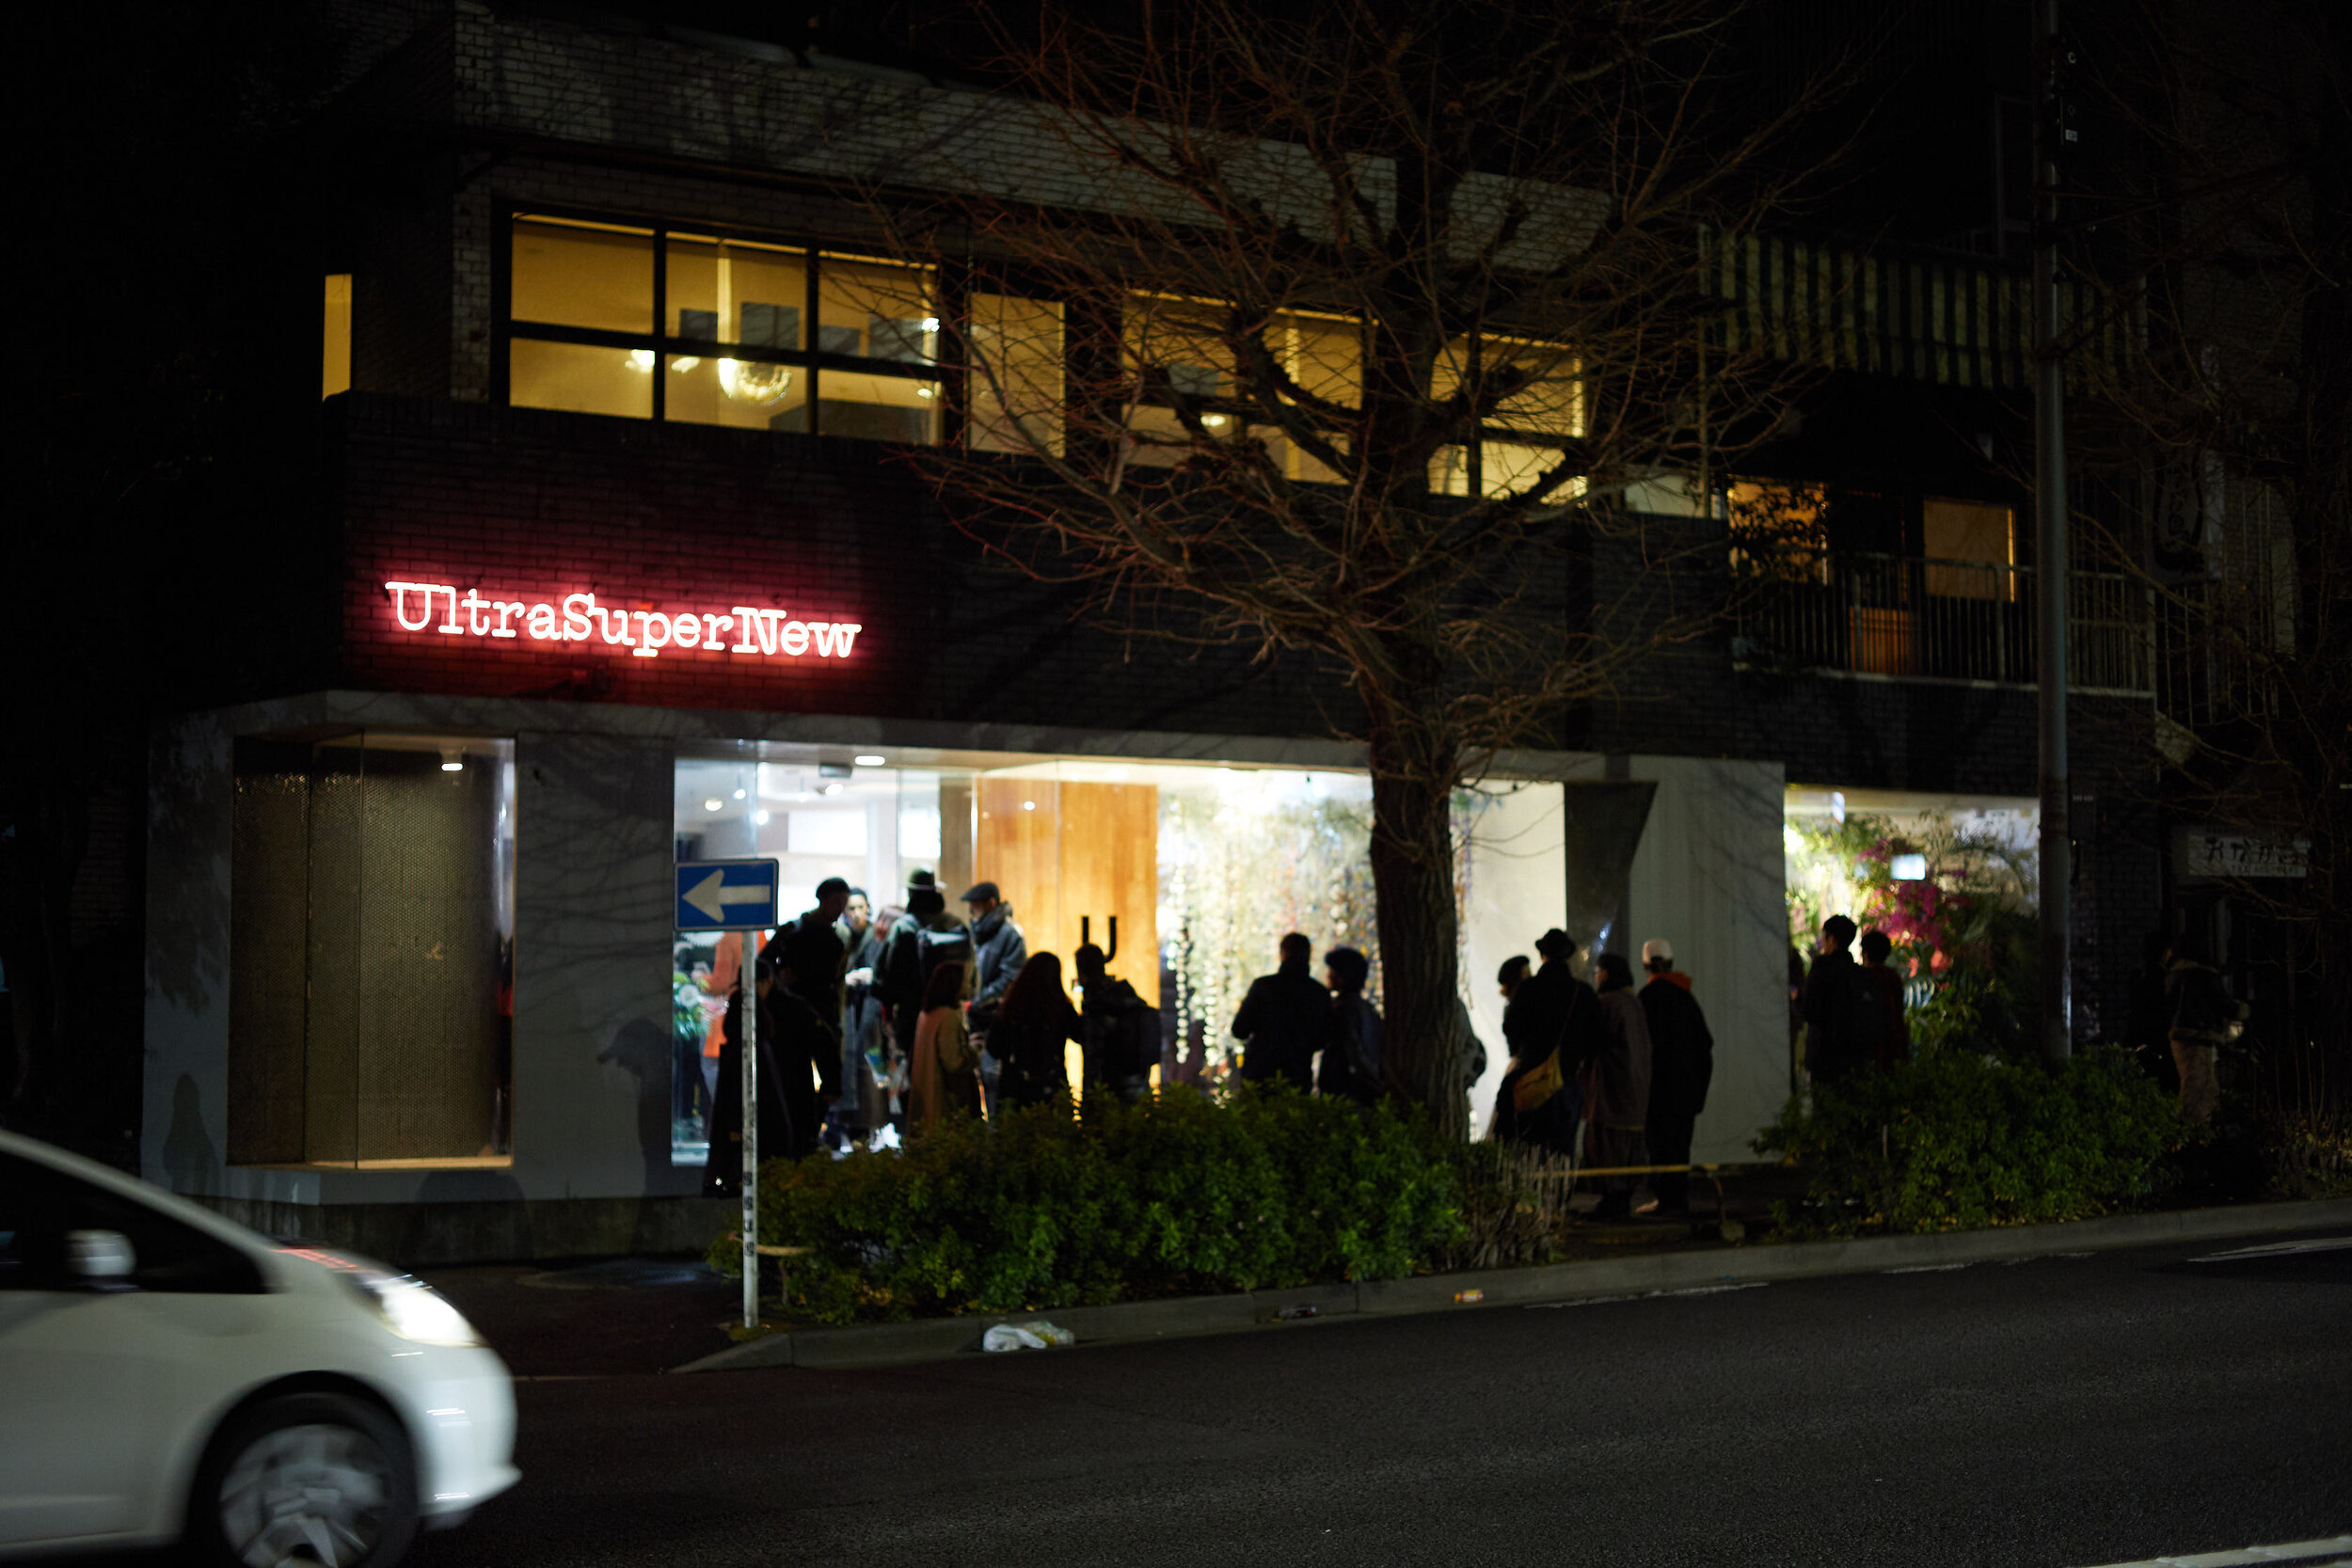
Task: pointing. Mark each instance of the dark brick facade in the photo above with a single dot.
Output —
(537, 506)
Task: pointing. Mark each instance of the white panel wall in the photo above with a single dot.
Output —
(594, 851)
(1517, 891)
(1709, 879)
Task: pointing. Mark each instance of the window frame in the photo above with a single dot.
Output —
(944, 371)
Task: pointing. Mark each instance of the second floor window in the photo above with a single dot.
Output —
(656, 324)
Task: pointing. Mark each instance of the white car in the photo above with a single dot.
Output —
(166, 1375)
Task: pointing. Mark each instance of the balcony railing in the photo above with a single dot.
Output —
(1912, 617)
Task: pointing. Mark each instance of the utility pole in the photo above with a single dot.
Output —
(2054, 139)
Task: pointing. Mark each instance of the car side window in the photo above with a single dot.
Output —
(38, 1207)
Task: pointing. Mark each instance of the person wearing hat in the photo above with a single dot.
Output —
(925, 937)
(998, 949)
(1682, 1063)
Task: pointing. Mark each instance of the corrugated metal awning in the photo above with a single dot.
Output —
(1945, 322)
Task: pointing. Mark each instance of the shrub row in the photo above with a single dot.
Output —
(1176, 1195)
(1957, 1139)
(1193, 1195)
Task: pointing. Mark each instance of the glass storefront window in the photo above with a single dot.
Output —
(1188, 873)
(371, 927)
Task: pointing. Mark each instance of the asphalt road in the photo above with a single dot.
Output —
(2063, 1411)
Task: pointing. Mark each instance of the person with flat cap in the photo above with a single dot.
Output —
(998, 950)
(925, 937)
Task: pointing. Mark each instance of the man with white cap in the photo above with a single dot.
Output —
(1682, 1061)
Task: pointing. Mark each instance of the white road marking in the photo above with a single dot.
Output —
(1926, 1268)
(2304, 1552)
(2278, 1249)
(1649, 1295)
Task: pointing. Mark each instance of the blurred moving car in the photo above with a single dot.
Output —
(166, 1375)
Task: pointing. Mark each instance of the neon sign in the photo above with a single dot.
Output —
(578, 618)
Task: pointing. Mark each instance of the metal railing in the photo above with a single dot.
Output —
(1911, 617)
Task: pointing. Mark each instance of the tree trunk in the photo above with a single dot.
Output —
(1424, 1053)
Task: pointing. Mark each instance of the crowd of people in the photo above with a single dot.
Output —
(1612, 1075)
(877, 1025)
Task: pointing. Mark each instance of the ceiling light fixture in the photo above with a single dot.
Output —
(868, 761)
(713, 803)
(451, 762)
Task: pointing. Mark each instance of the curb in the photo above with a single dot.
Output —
(1184, 1317)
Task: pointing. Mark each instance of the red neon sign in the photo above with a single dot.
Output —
(578, 618)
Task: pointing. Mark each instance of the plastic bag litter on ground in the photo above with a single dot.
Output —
(1039, 1335)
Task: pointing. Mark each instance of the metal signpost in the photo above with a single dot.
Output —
(738, 896)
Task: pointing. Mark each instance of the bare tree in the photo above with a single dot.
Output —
(1356, 331)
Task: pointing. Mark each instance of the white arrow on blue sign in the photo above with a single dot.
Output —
(726, 896)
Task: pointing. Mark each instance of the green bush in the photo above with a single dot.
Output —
(1178, 1194)
(1956, 1139)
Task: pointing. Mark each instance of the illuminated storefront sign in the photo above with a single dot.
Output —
(578, 618)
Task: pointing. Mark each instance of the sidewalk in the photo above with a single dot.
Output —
(642, 1316)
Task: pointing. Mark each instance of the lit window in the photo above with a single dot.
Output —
(335, 364)
(1970, 548)
(1013, 354)
(746, 334)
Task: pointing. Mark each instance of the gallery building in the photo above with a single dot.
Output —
(625, 566)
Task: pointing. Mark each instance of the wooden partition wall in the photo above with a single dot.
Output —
(1059, 852)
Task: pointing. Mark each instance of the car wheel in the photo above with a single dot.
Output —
(307, 1479)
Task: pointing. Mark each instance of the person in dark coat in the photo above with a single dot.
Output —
(2204, 1017)
(1539, 1101)
(998, 950)
(1682, 1065)
(1118, 1030)
(1617, 1087)
(1282, 1019)
(1892, 1043)
(1351, 1030)
(782, 1039)
(925, 937)
(813, 946)
(1841, 1015)
(1034, 1023)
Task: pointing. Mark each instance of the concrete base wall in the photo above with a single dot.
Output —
(434, 1235)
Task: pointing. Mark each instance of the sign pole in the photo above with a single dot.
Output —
(751, 1133)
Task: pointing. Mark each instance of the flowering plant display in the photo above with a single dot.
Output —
(1957, 902)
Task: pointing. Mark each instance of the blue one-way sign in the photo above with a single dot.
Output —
(726, 896)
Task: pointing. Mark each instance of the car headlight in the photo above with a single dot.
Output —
(409, 1307)
(413, 1310)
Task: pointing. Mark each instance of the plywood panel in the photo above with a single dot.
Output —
(1110, 865)
(1018, 848)
(1059, 852)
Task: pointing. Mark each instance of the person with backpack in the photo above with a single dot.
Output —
(1118, 1031)
(1842, 1019)
(1351, 1030)
(1032, 1026)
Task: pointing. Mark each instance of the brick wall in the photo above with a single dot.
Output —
(530, 506)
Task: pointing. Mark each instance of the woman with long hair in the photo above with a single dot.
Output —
(946, 1067)
(1034, 1023)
